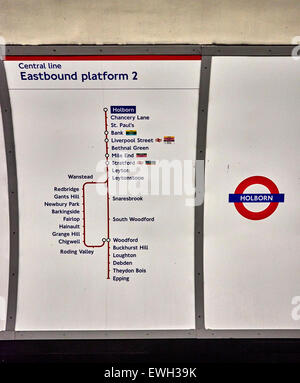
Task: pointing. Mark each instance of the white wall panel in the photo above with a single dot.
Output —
(252, 268)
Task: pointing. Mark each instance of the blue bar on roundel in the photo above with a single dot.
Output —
(262, 198)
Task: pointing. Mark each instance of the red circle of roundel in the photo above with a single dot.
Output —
(253, 214)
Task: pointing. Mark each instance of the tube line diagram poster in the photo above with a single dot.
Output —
(104, 245)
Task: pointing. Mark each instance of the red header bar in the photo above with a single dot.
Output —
(103, 58)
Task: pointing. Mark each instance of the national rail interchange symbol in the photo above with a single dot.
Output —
(105, 241)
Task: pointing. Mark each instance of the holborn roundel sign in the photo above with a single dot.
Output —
(273, 198)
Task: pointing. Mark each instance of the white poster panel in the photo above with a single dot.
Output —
(100, 249)
(252, 188)
(4, 232)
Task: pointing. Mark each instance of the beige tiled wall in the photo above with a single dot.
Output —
(149, 21)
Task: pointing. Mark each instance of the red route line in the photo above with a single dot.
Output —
(107, 202)
(103, 57)
(83, 195)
